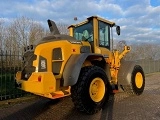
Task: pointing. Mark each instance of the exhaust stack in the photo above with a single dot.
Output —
(53, 27)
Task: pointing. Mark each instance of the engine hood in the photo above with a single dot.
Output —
(52, 37)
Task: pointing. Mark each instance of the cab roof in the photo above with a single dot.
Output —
(91, 18)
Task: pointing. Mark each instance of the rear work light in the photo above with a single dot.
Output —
(39, 78)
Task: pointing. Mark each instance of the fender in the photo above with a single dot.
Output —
(125, 72)
(73, 67)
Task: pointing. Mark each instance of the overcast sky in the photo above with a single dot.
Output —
(139, 19)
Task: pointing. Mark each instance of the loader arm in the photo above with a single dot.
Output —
(115, 62)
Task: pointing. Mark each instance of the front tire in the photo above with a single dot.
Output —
(91, 90)
(137, 82)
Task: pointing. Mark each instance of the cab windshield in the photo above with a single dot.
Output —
(84, 32)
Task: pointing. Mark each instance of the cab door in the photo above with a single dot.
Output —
(103, 42)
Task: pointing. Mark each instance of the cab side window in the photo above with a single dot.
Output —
(104, 35)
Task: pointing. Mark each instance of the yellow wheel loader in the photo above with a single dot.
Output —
(81, 64)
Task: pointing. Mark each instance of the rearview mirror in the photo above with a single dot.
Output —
(118, 30)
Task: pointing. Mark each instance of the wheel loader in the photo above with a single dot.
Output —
(82, 65)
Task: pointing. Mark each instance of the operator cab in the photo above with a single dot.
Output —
(95, 30)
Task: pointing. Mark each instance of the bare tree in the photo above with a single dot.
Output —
(36, 32)
(120, 45)
(2, 29)
(22, 32)
(63, 28)
(142, 51)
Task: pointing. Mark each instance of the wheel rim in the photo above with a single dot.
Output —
(139, 80)
(97, 89)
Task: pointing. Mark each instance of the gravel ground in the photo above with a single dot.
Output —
(120, 107)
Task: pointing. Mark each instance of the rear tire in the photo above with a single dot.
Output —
(91, 90)
(137, 83)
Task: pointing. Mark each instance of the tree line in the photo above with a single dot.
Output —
(22, 32)
(141, 51)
